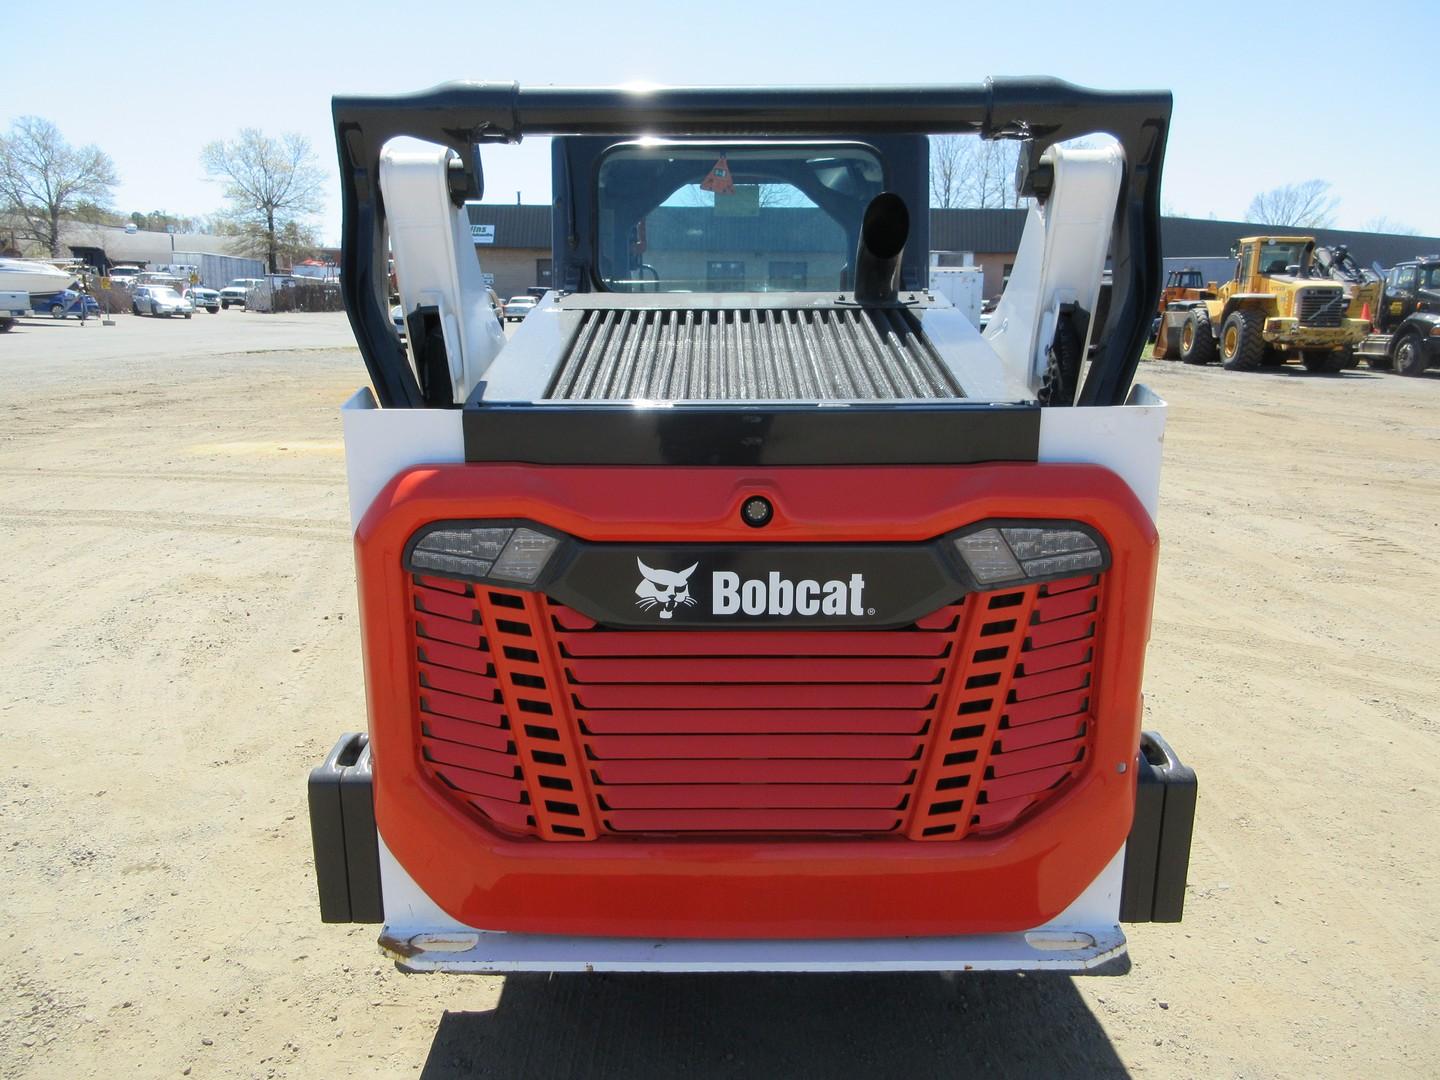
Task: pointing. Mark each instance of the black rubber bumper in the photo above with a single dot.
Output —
(342, 829)
(1157, 853)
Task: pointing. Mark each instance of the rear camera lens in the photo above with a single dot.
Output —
(757, 511)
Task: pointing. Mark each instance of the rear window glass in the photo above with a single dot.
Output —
(693, 217)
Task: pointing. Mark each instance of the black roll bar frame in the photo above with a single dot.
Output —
(465, 116)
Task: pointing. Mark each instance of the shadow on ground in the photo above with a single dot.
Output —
(776, 1025)
(37, 322)
(1296, 371)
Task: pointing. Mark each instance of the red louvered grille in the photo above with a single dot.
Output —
(542, 722)
(755, 731)
(464, 731)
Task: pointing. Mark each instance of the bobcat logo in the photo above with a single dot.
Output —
(665, 589)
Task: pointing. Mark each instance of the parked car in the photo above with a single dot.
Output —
(124, 275)
(397, 316)
(987, 308)
(201, 297)
(237, 290)
(517, 307)
(159, 300)
(161, 279)
(67, 302)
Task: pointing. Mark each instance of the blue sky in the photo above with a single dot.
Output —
(151, 83)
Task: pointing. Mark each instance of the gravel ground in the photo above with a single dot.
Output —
(177, 620)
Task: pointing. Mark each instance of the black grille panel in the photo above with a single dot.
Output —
(1320, 307)
(795, 354)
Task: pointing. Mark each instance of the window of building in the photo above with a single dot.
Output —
(544, 273)
(788, 275)
(724, 275)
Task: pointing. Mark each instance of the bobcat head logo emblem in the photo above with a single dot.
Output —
(665, 589)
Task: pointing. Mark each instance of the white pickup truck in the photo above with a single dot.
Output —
(238, 291)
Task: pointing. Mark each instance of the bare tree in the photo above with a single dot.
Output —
(992, 177)
(271, 184)
(44, 179)
(970, 172)
(782, 196)
(949, 165)
(1382, 224)
(1307, 205)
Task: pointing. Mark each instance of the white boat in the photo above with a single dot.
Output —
(35, 278)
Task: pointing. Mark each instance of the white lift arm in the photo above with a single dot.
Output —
(435, 260)
(1061, 258)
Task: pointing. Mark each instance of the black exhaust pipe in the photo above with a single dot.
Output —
(883, 232)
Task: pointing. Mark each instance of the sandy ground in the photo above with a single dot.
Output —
(179, 642)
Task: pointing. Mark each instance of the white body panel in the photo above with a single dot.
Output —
(435, 262)
(524, 369)
(981, 372)
(1126, 439)
(379, 443)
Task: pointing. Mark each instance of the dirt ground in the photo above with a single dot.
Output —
(179, 643)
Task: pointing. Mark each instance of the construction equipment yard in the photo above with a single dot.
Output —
(178, 620)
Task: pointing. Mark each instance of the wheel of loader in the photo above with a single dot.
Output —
(1242, 340)
(1197, 340)
(1409, 354)
(1324, 361)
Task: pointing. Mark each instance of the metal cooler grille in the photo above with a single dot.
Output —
(1320, 307)
(541, 722)
(796, 354)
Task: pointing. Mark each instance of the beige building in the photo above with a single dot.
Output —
(513, 243)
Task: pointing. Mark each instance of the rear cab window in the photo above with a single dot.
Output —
(686, 217)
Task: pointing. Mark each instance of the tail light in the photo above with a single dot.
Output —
(1014, 554)
(486, 552)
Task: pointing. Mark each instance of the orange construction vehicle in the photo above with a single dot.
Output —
(1180, 286)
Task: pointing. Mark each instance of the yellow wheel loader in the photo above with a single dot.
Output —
(1279, 305)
